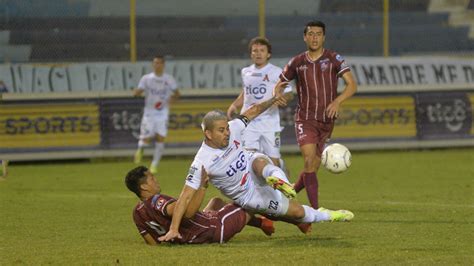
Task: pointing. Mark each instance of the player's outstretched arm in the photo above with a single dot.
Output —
(351, 87)
(137, 92)
(175, 97)
(257, 109)
(198, 197)
(279, 88)
(235, 106)
(178, 212)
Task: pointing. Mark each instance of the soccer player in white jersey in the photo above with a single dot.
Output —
(258, 80)
(243, 176)
(160, 90)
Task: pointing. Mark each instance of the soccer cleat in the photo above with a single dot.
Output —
(267, 226)
(339, 215)
(138, 156)
(282, 186)
(154, 169)
(305, 228)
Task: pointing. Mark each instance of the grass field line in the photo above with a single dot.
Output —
(430, 204)
(126, 196)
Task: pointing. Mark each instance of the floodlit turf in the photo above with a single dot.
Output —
(411, 207)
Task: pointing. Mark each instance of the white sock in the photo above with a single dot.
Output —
(313, 216)
(159, 147)
(272, 170)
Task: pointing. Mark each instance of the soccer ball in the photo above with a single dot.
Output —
(336, 158)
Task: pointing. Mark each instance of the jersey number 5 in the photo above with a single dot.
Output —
(300, 129)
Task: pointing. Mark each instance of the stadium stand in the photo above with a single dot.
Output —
(354, 28)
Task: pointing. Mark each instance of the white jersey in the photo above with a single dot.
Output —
(228, 168)
(258, 87)
(158, 91)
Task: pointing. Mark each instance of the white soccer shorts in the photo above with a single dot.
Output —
(264, 199)
(265, 142)
(152, 125)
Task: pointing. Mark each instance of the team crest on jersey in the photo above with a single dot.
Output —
(236, 144)
(266, 78)
(339, 58)
(324, 66)
(159, 203)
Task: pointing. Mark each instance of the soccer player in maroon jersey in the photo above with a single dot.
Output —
(216, 224)
(316, 72)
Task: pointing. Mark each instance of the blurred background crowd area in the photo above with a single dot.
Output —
(40, 31)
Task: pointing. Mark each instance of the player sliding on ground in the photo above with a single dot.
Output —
(217, 223)
(243, 176)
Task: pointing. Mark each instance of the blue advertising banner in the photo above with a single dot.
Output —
(443, 115)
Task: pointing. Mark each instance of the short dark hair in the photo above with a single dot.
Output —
(159, 56)
(262, 41)
(315, 23)
(135, 178)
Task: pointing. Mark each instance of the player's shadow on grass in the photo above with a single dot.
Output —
(293, 241)
(418, 222)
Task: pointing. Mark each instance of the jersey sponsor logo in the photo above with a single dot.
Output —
(158, 105)
(256, 74)
(191, 173)
(236, 166)
(257, 92)
(302, 68)
(189, 178)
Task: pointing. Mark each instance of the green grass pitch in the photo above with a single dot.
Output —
(411, 207)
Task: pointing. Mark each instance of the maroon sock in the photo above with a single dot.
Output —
(299, 185)
(311, 184)
(255, 222)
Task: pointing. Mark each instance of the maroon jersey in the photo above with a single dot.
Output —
(316, 83)
(205, 227)
(151, 218)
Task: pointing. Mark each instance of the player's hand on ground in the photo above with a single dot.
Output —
(170, 236)
(333, 109)
(204, 178)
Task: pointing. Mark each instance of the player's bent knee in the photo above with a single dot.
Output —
(258, 165)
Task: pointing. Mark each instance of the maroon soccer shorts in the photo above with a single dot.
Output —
(313, 132)
(231, 220)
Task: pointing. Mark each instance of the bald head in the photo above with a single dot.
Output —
(211, 117)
